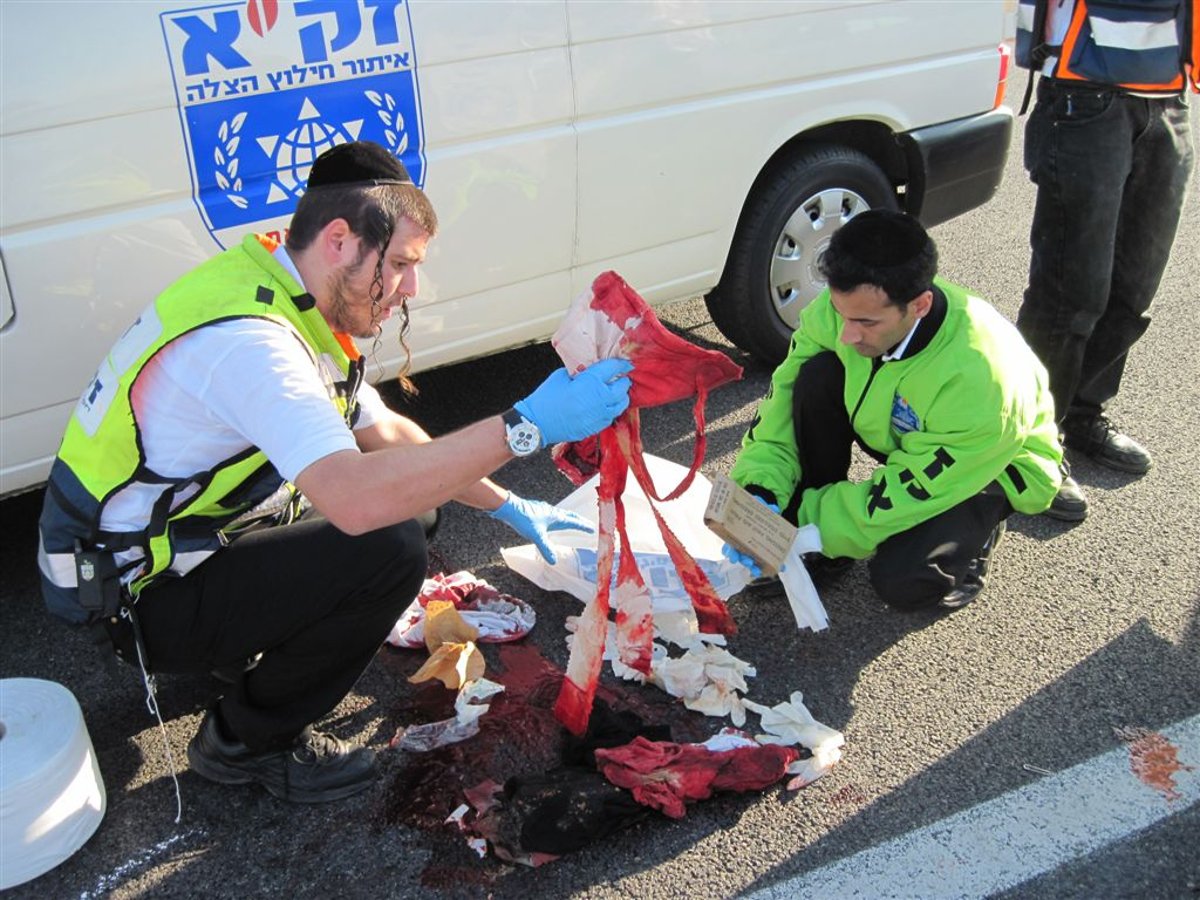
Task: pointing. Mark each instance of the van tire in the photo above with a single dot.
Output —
(771, 271)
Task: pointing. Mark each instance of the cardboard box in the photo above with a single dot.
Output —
(748, 525)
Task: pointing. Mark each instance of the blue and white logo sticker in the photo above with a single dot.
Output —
(264, 86)
(904, 419)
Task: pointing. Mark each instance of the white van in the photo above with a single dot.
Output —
(694, 147)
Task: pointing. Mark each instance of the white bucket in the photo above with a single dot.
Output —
(51, 794)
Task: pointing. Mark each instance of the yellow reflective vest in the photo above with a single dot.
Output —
(101, 452)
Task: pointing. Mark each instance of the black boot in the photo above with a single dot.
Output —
(316, 768)
(1099, 439)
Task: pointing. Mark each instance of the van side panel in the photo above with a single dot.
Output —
(559, 139)
(105, 219)
(496, 94)
(696, 81)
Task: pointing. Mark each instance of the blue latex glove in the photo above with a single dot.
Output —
(534, 520)
(742, 559)
(570, 409)
(745, 559)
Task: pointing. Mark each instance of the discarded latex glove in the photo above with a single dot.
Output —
(745, 559)
(719, 699)
(707, 679)
(469, 706)
(452, 664)
(680, 627)
(535, 519)
(566, 408)
(806, 771)
(792, 723)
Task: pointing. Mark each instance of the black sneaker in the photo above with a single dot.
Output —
(1099, 439)
(975, 578)
(317, 768)
(1069, 504)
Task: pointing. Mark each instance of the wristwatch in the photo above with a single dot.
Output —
(523, 436)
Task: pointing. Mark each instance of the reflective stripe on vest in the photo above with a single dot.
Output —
(1148, 46)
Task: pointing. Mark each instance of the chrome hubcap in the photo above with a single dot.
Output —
(795, 274)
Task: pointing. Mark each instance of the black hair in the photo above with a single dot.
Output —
(885, 249)
(372, 212)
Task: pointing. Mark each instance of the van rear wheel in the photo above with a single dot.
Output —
(772, 272)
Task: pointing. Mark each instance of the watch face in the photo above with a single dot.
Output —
(524, 438)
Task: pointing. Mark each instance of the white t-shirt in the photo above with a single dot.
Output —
(227, 387)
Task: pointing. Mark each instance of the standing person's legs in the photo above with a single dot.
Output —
(1078, 146)
(315, 602)
(943, 561)
(1150, 208)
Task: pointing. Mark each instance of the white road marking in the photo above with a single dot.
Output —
(107, 883)
(1014, 837)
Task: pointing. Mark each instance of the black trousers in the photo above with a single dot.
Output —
(1111, 171)
(314, 601)
(910, 570)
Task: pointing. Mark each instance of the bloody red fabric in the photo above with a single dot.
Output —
(614, 321)
(665, 776)
(666, 367)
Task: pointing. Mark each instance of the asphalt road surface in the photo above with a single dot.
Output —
(990, 752)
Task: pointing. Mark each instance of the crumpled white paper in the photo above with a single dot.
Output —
(707, 678)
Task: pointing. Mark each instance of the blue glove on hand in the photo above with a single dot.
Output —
(570, 409)
(745, 559)
(533, 520)
(742, 559)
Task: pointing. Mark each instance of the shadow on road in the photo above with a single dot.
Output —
(1070, 727)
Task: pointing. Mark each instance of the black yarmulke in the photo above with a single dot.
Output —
(356, 163)
(881, 237)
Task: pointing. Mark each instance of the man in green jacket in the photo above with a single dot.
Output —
(930, 381)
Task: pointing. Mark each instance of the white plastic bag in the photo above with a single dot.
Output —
(575, 571)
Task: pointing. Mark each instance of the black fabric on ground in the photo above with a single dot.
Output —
(567, 809)
(608, 728)
(570, 806)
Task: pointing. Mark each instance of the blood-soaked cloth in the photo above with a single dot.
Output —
(550, 813)
(612, 320)
(537, 815)
(665, 776)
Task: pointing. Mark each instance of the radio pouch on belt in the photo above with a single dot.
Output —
(97, 581)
